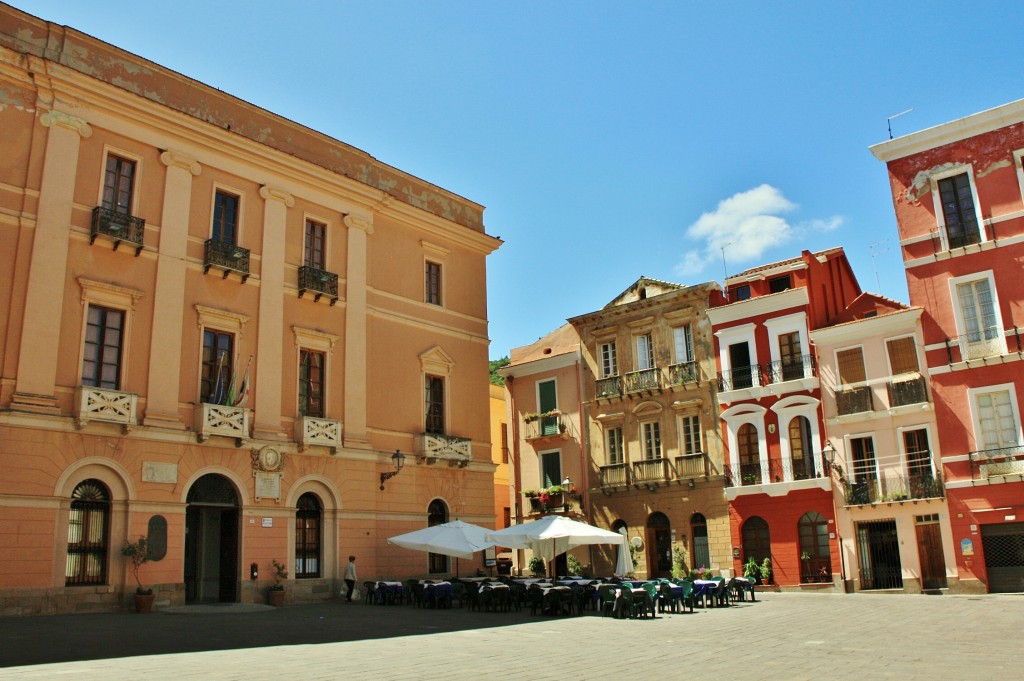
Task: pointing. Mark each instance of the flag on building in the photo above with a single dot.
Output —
(242, 394)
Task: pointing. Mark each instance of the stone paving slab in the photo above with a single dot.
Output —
(786, 636)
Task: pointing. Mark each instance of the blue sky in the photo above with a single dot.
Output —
(607, 140)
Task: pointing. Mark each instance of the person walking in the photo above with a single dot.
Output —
(350, 577)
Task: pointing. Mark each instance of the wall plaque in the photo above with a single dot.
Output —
(268, 485)
(159, 472)
(156, 533)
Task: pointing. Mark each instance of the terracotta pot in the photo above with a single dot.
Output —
(276, 597)
(144, 603)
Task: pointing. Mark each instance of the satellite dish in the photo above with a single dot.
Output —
(637, 542)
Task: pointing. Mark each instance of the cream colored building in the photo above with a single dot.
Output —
(165, 240)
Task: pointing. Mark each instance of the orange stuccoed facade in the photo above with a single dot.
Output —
(218, 328)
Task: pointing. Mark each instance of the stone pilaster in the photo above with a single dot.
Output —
(359, 229)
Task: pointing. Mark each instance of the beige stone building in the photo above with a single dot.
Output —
(219, 330)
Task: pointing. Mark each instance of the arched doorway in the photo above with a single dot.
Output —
(437, 514)
(701, 550)
(757, 543)
(211, 541)
(659, 546)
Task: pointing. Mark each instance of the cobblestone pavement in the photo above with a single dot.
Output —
(782, 636)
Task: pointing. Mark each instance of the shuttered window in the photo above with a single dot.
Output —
(851, 366)
(902, 355)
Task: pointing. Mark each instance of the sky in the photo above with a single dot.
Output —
(607, 140)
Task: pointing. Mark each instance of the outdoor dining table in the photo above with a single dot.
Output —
(704, 589)
(745, 584)
(547, 592)
(438, 593)
(388, 592)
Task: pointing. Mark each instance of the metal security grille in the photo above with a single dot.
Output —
(878, 553)
(1004, 556)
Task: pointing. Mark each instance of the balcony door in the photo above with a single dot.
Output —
(739, 366)
(547, 400)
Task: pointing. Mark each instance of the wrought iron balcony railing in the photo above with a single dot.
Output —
(457, 451)
(793, 369)
(226, 256)
(546, 426)
(651, 470)
(893, 486)
(691, 466)
(608, 387)
(219, 419)
(739, 378)
(118, 227)
(908, 391)
(854, 400)
(643, 380)
(989, 463)
(967, 238)
(987, 343)
(683, 373)
(319, 432)
(776, 471)
(100, 404)
(319, 283)
(616, 475)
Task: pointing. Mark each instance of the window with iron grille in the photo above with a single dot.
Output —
(815, 558)
(225, 218)
(104, 337)
(652, 440)
(613, 446)
(434, 407)
(88, 528)
(218, 351)
(118, 182)
(432, 286)
(437, 514)
(308, 532)
(315, 238)
(690, 428)
(609, 365)
(958, 211)
(311, 383)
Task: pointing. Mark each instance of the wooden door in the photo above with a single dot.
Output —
(929, 551)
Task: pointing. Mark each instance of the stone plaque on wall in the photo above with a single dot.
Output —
(159, 472)
(156, 534)
(268, 485)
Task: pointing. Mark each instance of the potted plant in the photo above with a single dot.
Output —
(138, 555)
(537, 566)
(535, 502)
(678, 563)
(766, 570)
(805, 558)
(275, 595)
(751, 569)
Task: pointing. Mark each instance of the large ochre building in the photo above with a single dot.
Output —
(222, 331)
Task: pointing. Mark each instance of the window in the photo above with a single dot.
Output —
(756, 540)
(88, 528)
(434, 405)
(779, 284)
(504, 443)
(437, 514)
(644, 352)
(547, 401)
(701, 548)
(609, 365)
(902, 355)
(815, 559)
(432, 286)
(652, 440)
(851, 366)
(315, 239)
(865, 468)
(958, 211)
(308, 524)
(980, 333)
(919, 457)
(853, 396)
(741, 293)
(613, 446)
(104, 337)
(996, 420)
(690, 429)
(800, 448)
(218, 351)
(311, 383)
(550, 468)
(682, 341)
(741, 372)
(750, 456)
(791, 356)
(117, 184)
(225, 218)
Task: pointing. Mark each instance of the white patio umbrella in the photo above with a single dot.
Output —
(455, 538)
(624, 561)
(553, 535)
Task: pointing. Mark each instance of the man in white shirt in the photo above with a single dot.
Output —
(350, 577)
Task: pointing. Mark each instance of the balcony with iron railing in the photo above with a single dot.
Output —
(911, 389)
(992, 463)
(118, 227)
(615, 475)
(776, 471)
(691, 466)
(854, 400)
(988, 342)
(227, 257)
(651, 471)
(793, 369)
(537, 426)
(608, 387)
(645, 380)
(435, 447)
(683, 373)
(893, 487)
(739, 378)
(319, 283)
(101, 404)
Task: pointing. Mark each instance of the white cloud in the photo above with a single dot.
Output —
(746, 225)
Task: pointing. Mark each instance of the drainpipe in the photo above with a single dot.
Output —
(516, 475)
(584, 429)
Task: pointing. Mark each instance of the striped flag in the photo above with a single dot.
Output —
(243, 389)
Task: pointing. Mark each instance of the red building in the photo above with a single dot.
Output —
(777, 482)
(957, 190)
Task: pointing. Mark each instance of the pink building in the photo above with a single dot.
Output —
(957, 191)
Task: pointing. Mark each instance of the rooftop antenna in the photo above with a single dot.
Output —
(888, 121)
(725, 270)
(876, 250)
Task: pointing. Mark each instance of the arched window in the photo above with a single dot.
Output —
(88, 530)
(756, 540)
(750, 458)
(308, 524)
(437, 514)
(815, 558)
(800, 448)
(701, 550)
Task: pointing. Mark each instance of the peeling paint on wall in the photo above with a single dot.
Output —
(1005, 163)
(16, 98)
(922, 184)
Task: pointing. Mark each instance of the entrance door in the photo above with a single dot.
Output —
(1004, 556)
(929, 551)
(878, 552)
(659, 546)
(211, 541)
